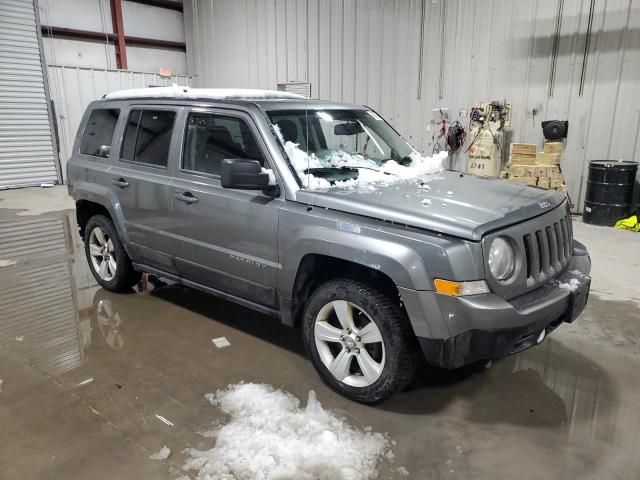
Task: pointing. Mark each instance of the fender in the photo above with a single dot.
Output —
(104, 196)
(395, 250)
(402, 264)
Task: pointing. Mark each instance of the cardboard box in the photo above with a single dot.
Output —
(523, 158)
(541, 171)
(544, 182)
(548, 158)
(517, 170)
(547, 170)
(530, 171)
(555, 182)
(526, 180)
(553, 147)
(524, 148)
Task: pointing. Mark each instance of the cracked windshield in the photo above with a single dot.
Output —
(348, 148)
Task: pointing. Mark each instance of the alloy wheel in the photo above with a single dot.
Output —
(102, 254)
(349, 343)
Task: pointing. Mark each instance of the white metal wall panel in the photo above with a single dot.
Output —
(73, 88)
(368, 52)
(26, 145)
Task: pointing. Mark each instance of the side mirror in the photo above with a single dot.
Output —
(104, 151)
(245, 174)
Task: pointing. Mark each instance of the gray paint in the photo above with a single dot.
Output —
(464, 206)
(367, 52)
(247, 247)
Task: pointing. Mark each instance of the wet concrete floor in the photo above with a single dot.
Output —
(86, 373)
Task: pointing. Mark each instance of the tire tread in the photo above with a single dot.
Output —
(401, 335)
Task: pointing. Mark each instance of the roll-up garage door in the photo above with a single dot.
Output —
(27, 155)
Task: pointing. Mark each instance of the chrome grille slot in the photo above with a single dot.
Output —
(543, 247)
(533, 255)
(553, 248)
(567, 238)
(557, 231)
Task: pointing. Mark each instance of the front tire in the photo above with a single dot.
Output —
(359, 340)
(108, 261)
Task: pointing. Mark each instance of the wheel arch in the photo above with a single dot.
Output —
(92, 199)
(314, 269)
(85, 209)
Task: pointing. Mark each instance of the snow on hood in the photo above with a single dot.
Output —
(176, 91)
(269, 435)
(370, 173)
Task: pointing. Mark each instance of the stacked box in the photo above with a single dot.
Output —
(530, 167)
(548, 158)
(553, 148)
(524, 148)
(544, 182)
(523, 153)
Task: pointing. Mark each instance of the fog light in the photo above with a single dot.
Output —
(460, 289)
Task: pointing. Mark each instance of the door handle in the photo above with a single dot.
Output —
(120, 182)
(186, 197)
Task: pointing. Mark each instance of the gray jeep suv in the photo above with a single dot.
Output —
(321, 214)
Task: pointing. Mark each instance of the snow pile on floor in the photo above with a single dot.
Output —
(370, 172)
(161, 454)
(270, 436)
(177, 91)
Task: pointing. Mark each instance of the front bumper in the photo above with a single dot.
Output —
(461, 330)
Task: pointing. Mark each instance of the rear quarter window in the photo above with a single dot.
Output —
(98, 132)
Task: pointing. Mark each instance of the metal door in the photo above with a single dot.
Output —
(226, 239)
(27, 148)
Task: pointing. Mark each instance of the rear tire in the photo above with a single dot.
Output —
(359, 340)
(108, 261)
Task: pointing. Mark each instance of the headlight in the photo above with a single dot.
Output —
(501, 259)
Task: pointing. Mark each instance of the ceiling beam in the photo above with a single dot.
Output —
(161, 4)
(55, 32)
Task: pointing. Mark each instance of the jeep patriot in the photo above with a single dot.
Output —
(321, 214)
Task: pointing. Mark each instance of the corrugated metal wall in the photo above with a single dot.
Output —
(27, 153)
(369, 51)
(73, 88)
(140, 20)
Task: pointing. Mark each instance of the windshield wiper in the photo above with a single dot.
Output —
(405, 161)
(343, 169)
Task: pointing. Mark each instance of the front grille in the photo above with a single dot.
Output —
(548, 250)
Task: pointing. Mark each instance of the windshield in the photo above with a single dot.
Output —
(332, 146)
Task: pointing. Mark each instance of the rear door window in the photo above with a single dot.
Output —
(147, 137)
(98, 132)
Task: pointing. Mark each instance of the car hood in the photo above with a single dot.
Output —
(450, 202)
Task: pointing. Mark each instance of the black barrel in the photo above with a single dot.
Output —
(609, 191)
